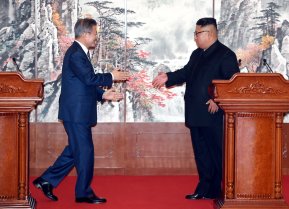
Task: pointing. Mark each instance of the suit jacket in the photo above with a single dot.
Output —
(217, 62)
(80, 87)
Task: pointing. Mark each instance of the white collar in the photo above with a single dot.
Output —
(82, 46)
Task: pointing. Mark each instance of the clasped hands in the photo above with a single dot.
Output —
(160, 80)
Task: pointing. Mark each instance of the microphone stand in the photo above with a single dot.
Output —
(15, 63)
(267, 66)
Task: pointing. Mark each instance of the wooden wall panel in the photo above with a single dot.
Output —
(47, 141)
(108, 149)
(154, 148)
(127, 149)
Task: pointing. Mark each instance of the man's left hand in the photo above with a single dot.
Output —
(213, 107)
(112, 95)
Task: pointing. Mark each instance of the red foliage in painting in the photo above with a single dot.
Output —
(141, 84)
(63, 41)
(250, 55)
(143, 54)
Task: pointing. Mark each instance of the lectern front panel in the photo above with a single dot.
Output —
(254, 148)
(9, 156)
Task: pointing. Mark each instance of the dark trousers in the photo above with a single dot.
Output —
(207, 145)
(78, 153)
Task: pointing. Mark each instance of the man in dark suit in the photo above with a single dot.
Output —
(211, 60)
(80, 91)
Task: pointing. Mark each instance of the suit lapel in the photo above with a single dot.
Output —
(79, 48)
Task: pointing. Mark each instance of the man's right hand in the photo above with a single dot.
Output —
(160, 80)
(119, 75)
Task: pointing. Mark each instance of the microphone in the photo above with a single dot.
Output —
(267, 66)
(239, 62)
(15, 63)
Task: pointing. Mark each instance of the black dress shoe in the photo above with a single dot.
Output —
(94, 200)
(46, 188)
(194, 196)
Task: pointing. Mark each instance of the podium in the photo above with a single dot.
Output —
(254, 105)
(18, 97)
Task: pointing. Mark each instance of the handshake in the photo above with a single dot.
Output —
(118, 75)
(157, 83)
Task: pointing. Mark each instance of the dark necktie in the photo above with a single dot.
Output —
(88, 55)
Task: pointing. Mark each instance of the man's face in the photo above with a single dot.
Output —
(202, 35)
(91, 38)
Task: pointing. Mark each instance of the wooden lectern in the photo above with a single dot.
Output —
(254, 105)
(17, 98)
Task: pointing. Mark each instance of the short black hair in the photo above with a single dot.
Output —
(83, 26)
(207, 21)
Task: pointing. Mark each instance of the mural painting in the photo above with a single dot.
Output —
(144, 37)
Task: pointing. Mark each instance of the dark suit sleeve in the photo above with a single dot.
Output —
(180, 76)
(99, 93)
(229, 65)
(83, 69)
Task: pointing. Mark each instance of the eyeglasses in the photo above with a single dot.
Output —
(94, 34)
(197, 33)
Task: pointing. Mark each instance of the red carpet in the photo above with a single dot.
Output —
(133, 192)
